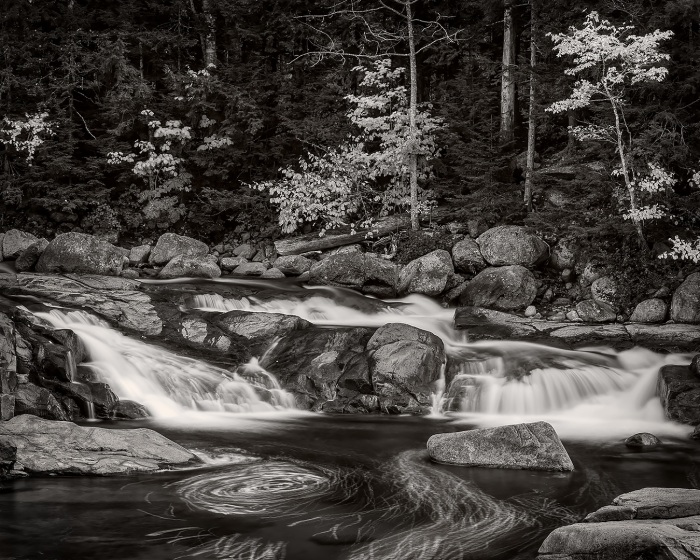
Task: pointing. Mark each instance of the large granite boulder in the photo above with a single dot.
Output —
(652, 310)
(679, 390)
(358, 271)
(30, 256)
(183, 266)
(326, 369)
(506, 288)
(79, 252)
(508, 245)
(427, 275)
(685, 305)
(648, 523)
(405, 363)
(259, 329)
(170, 245)
(47, 447)
(15, 241)
(533, 446)
(466, 256)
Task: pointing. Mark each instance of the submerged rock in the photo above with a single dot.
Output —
(533, 446)
(79, 252)
(512, 245)
(643, 439)
(260, 329)
(128, 410)
(64, 448)
(647, 523)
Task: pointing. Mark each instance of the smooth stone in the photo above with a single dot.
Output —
(652, 310)
(183, 266)
(505, 288)
(643, 439)
(250, 269)
(427, 275)
(81, 253)
(591, 311)
(293, 265)
(139, 255)
(170, 245)
(533, 446)
(50, 447)
(512, 245)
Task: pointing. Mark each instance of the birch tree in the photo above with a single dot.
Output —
(609, 61)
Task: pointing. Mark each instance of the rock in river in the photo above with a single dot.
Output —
(505, 288)
(44, 446)
(79, 252)
(533, 446)
(170, 245)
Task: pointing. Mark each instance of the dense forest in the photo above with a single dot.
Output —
(217, 96)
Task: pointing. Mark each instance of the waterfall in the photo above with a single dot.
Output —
(165, 383)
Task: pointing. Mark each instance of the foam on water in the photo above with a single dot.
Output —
(165, 383)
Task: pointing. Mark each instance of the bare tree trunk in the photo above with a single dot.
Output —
(412, 109)
(508, 75)
(531, 110)
(210, 37)
(571, 143)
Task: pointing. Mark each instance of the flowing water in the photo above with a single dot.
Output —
(279, 483)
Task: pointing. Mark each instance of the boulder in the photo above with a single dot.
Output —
(170, 245)
(8, 457)
(139, 255)
(512, 245)
(685, 305)
(183, 266)
(117, 299)
(590, 273)
(534, 446)
(245, 251)
(79, 252)
(405, 362)
(646, 523)
(358, 271)
(31, 399)
(128, 410)
(326, 369)
(652, 310)
(467, 257)
(30, 256)
(260, 329)
(591, 311)
(564, 254)
(2, 236)
(427, 275)
(605, 290)
(251, 269)
(643, 439)
(15, 241)
(230, 263)
(504, 288)
(273, 273)
(46, 447)
(293, 265)
(695, 365)
(679, 391)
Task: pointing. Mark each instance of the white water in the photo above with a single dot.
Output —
(595, 393)
(165, 383)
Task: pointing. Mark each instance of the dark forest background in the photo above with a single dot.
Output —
(94, 66)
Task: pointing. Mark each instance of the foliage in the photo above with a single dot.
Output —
(608, 60)
(26, 135)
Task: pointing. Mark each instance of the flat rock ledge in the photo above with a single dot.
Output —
(533, 446)
(649, 523)
(50, 447)
(484, 323)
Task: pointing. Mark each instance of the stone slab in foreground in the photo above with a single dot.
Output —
(649, 523)
(50, 447)
(533, 446)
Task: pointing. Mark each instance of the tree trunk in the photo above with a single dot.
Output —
(571, 143)
(531, 111)
(508, 75)
(210, 37)
(412, 109)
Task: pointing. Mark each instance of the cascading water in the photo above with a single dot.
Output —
(494, 382)
(165, 383)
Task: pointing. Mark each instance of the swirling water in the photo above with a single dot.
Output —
(284, 484)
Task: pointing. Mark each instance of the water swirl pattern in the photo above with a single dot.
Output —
(261, 489)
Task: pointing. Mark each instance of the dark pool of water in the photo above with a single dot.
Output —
(322, 488)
